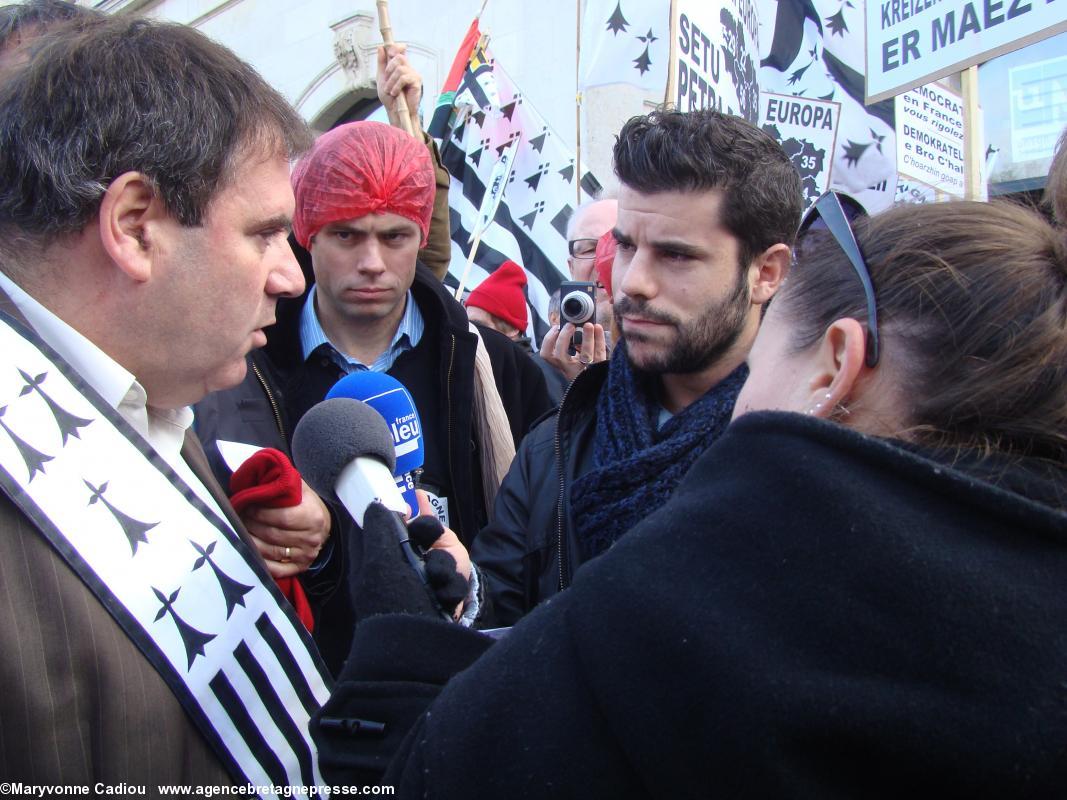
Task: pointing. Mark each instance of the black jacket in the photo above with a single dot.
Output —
(813, 614)
(519, 552)
(281, 386)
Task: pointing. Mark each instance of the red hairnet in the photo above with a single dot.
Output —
(358, 169)
(604, 259)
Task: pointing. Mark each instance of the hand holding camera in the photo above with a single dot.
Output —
(577, 305)
(580, 340)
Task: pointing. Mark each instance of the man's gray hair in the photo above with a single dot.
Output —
(583, 207)
(25, 20)
(126, 94)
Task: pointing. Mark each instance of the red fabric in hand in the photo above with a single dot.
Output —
(269, 479)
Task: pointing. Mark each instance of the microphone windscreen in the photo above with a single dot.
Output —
(334, 433)
(390, 398)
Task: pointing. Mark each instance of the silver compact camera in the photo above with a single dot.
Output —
(577, 305)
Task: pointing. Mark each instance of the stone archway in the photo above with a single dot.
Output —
(345, 90)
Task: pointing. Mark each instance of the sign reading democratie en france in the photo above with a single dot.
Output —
(930, 138)
(807, 130)
(913, 42)
(716, 57)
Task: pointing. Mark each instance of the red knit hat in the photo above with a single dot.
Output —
(501, 294)
(358, 169)
(604, 259)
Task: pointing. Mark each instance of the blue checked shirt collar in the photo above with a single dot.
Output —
(407, 336)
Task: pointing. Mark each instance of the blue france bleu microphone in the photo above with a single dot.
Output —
(386, 395)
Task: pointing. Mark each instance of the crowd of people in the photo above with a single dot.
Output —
(790, 520)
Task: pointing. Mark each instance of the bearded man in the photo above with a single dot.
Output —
(707, 211)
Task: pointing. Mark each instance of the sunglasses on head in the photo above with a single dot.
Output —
(833, 212)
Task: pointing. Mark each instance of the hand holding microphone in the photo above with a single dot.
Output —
(345, 451)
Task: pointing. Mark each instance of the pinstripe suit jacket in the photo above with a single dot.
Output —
(79, 703)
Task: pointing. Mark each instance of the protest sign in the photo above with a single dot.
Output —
(716, 56)
(807, 130)
(930, 138)
(914, 42)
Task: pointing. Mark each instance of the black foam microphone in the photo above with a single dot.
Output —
(344, 450)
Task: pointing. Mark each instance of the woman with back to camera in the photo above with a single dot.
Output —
(859, 591)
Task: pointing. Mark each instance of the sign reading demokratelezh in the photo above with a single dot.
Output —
(716, 56)
(914, 42)
(930, 138)
(807, 130)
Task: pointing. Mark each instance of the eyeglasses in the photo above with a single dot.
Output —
(582, 248)
(834, 210)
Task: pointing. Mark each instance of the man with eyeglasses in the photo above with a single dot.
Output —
(707, 213)
(590, 221)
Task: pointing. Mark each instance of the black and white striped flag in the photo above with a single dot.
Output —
(488, 115)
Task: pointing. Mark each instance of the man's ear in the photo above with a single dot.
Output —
(768, 271)
(839, 363)
(128, 210)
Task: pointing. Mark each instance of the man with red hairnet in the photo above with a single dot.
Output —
(364, 198)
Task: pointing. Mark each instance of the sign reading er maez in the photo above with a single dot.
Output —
(913, 42)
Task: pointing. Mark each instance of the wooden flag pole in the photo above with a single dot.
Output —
(578, 105)
(386, 28)
(467, 269)
(672, 58)
(972, 135)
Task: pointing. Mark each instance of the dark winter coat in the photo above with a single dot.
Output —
(281, 386)
(529, 551)
(813, 614)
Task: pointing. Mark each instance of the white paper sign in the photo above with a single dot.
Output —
(807, 131)
(930, 138)
(717, 57)
(913, 42)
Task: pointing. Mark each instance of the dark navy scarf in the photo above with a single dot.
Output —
(637, 465)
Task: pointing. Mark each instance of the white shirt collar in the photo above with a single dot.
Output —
(164, 429)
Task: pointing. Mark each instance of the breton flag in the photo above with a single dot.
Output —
(625, 41)
(480, 116)
(815, 49)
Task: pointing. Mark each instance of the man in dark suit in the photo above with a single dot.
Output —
(144, 209)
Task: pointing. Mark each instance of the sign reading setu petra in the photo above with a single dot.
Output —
(716, 56)
(913, 42)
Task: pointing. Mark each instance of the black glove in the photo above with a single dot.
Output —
(397, 664)
(382, 580)
(448, 585)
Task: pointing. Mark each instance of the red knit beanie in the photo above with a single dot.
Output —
(501, 294)
(605, 258)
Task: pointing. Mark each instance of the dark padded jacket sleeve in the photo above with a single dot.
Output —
(518, 535)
